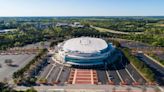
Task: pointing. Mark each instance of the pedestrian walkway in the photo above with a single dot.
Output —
(83, 76)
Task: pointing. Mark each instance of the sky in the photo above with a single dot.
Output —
(81, 7)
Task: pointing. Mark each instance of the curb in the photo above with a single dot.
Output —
(140, 72)
(154, 60)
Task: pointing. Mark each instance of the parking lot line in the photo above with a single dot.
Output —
(50, 71)
(59, 74)
(107, 74)
(118, 74)
(42, 73)
(154, 60)
(128, 73)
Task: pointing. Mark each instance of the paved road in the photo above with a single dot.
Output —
(133, 44)
(123, 73)
(137, 77)
(115, 78)
(64, 75)
(86, 88)
(135, 74)
(52, 72)
(159, 72)
(19, 60)
(102, 76)
(126, 71)
(113, 31)
(151, 63)
(53, 75)
(45, 71)
(125, 76)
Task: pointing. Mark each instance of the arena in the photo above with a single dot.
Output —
(88, 60)
(85, 51)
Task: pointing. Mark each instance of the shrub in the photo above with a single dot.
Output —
(141, 66)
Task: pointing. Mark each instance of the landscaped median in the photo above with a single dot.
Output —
(141, 67)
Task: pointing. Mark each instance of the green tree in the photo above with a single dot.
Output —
(31, 90)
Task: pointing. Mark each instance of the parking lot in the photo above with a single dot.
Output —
(54, 73)
(19, 61)
(124, 73)
(157, 69)
(121, 73)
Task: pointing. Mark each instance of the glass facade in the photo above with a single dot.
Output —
(88, 58)
(82, 60)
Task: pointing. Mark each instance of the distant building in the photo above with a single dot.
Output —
(43, 26)
(75, 24)
(62, 24)
(6, 30)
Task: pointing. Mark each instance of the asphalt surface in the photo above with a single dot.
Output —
(125, 76)
(52, 77)
(151, 63)
(54, 72)
(64, 75)
(115, 78)
(126, 71)
(135, 74)
(133, 44)
(157, 69)
(44, 71)
(137, 77)
(101, 73)
(18, 60)
(88, 88)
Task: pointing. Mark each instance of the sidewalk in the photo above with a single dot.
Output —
(89, 88)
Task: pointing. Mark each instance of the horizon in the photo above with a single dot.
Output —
(62, 8)
(86, 16)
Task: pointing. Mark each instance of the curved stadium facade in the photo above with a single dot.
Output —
(85, 51)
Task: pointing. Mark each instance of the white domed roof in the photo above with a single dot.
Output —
(85, 45)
